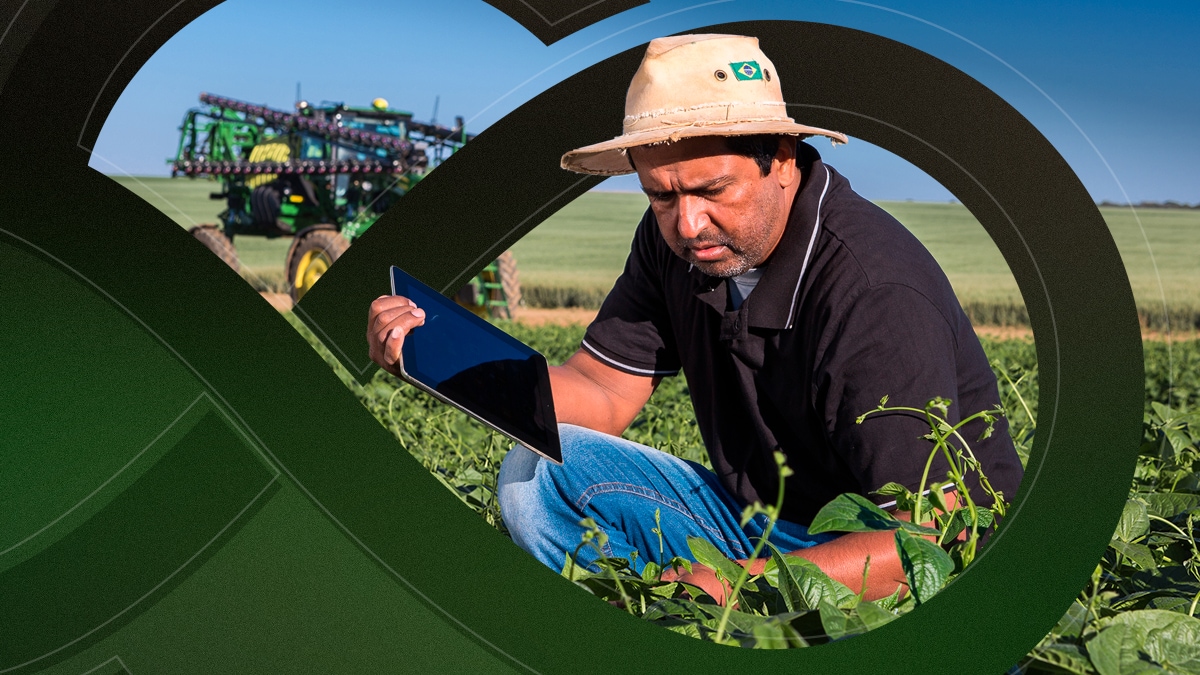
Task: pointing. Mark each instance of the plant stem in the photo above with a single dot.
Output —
(956, 476)
(731, 598)
(1017, 392)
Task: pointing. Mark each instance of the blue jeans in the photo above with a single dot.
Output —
(619, 484)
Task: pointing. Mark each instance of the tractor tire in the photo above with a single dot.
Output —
(311, 255)
(510, 280)
(216, 241)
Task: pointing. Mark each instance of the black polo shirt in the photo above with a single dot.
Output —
(851, 308)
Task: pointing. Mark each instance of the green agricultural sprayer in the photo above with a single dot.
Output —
(321, 176)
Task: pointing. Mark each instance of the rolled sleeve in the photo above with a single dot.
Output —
(632, 331)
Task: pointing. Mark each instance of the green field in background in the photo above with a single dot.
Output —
(187, 202)
(583, 247)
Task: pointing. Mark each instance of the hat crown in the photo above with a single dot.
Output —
(689, 86)
(687, 80)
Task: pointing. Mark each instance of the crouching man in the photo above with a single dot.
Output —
(792, 306)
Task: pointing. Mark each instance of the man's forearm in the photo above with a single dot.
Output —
(590, 394)
(576, 401)
(844, 558)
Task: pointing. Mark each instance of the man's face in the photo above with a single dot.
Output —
(715, 209)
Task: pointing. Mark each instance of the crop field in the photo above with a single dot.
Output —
(1137, 614)
(583, 247)
(573, 257)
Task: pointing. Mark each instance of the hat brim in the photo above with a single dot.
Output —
(610, 158)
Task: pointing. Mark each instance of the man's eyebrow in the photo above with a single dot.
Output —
(706, 186)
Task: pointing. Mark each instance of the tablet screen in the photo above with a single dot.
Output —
(479, 368)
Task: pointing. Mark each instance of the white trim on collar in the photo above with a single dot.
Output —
(812, 240)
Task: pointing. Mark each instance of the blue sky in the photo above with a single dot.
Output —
(1112, 85)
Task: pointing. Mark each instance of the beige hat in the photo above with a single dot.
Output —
(695, 85)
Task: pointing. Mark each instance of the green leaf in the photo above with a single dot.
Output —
(1072, 622)
(664, 590)
(938, 497)
(679, 608)
(651, 571)
(1066, 657)
(890, 602)
(694, 591)
(741, 626)
(1164, 413)
(685, 628)
(961, 519)
(833, 620)
(1179, 440)
(892, 489)
(925, 564)
(708, 554)
(872, 615)
(852, 513)
(1169, 504)
(906, 500)
(940, 404)
(812, 586)
(1114, 651)
(1136, 553)
(785, 581)
(1134, 522)
(838, 624)
(677, 563)
(784, 621)
(769, 635)
(573, 571)
(913, 528)
(1146, 641)
(1176, 647)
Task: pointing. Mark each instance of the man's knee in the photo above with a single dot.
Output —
(516, 485)
(531, 489)
(525, 474)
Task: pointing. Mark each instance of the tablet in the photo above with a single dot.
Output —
(470, 364)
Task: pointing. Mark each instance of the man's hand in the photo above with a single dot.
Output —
(391, 317)
(704, 578)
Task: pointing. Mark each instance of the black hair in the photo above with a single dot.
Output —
(760, 147)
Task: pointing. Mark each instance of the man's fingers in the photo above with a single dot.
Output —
(382, 321)
(384, 308)
(384, 314)
(392, 346)
(391, 317)
(393, 341)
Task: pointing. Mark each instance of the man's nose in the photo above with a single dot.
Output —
(693, 217)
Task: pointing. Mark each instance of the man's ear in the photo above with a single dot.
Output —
(784, 166)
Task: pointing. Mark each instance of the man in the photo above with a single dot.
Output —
(791, 304)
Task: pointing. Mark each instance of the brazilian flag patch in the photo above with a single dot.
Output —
(746, 70)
